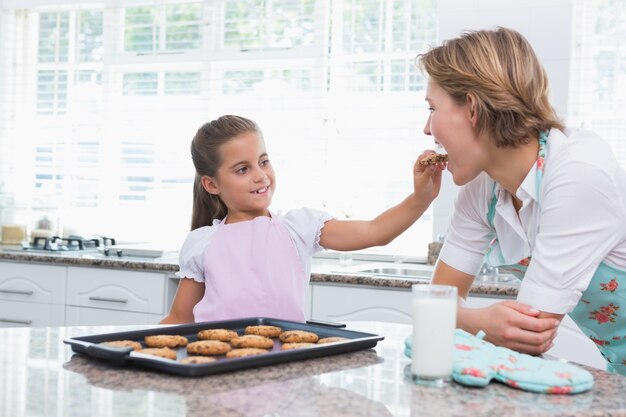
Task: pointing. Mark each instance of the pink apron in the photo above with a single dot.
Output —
(252, 269)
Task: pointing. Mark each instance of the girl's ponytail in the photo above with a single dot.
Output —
(206, 207)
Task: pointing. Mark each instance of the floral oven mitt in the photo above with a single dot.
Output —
(477, 362)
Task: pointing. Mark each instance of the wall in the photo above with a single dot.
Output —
(547, 24)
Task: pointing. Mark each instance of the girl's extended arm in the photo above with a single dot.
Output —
(345, 235)
(189, 293)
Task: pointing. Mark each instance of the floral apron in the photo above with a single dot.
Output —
(598, 311)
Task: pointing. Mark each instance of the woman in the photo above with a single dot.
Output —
(537, 200)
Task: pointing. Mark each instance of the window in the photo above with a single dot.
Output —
(598, 89)
(102, 122)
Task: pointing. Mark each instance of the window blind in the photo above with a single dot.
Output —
(101, 100)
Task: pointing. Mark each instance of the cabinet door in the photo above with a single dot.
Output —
(339, 303)
(84, 316)
(17, 314)
(142, 292)
(32, 283)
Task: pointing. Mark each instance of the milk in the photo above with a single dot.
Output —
(434, 322)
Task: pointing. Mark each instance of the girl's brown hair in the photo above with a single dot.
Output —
(501, 71)
(206, 157)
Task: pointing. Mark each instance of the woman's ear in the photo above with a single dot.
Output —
(472, 106)
(210, 185)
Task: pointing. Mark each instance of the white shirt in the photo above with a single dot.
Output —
(577, 221)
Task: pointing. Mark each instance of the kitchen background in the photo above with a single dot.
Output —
(100, 99)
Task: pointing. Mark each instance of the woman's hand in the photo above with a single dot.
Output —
(427, 178)
(512, 325)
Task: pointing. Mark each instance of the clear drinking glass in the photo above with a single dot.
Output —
(434, 322)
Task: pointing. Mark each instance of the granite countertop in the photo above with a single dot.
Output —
(323, 271)
(42, 377)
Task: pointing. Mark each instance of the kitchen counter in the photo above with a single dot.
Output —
(323, 270)
(41, 376)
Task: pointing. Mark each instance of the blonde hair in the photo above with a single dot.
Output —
(501, 71)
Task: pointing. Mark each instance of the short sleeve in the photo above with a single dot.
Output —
(305, 226)
(469, 233)
(191, 257)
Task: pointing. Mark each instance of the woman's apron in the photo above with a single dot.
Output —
(598, 312)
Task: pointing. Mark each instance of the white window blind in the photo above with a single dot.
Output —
(101, 100)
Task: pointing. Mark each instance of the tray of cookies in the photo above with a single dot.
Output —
(222, 346)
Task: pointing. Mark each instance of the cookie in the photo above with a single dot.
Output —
(124, 343)
(291, 346)
(240, 353)
(163, 352)
(197, 360)
(223, 335)
(165, 340)
(252, 341)
(333, 339)
(298, 336)
(264, 330)
(208, 347)
(433, 159)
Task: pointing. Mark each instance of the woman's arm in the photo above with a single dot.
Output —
(345, 235)
(510, 324)
(189, 293)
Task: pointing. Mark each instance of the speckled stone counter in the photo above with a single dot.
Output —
(40, 376)
(318, 275)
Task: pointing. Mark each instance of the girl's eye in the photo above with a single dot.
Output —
(265, 162)
(430, 110)
(242, 170)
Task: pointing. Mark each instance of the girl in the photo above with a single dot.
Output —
(240, 259)
(545, 203)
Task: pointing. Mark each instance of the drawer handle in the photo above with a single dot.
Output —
(111, 300)
(26, 322)
(16, 292)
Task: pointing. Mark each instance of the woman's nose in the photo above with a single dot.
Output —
(427, 127)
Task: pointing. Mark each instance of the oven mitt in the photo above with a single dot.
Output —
(477, 362)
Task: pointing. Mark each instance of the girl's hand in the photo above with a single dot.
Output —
(427, 178)
(512, 325)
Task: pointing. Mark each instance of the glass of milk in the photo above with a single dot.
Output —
(434, 322)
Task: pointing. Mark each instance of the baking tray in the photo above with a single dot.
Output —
(90, 346)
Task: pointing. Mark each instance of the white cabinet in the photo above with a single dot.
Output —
(32, 295)
(352, 303)
(102, 296)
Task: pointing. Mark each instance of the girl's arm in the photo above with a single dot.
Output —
(189, 293)
(345, 235)
(508, 323)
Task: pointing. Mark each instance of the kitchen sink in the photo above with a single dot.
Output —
(415, 272)
(393, 271)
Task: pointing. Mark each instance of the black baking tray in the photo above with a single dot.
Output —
(90, 346)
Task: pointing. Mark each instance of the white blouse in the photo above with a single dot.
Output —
(577, 221)
(304, 226)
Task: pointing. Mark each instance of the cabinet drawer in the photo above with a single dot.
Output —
(32, 283)
(84, 316)
(16, 314)
(339, 304)
(142, 292)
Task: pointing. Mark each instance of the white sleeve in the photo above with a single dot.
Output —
(306, 226)
(191, 257)
(469, 232)
(582, 220)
